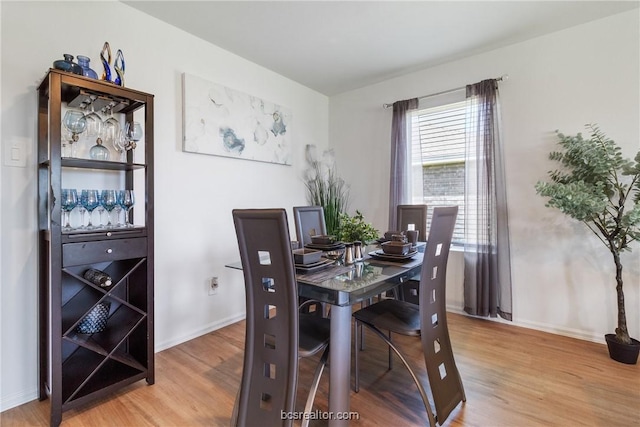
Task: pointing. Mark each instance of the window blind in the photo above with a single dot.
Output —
(439, 133)
(438, 151)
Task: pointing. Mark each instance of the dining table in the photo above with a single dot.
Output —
(342, 286)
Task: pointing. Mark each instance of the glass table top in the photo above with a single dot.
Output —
(350, 284)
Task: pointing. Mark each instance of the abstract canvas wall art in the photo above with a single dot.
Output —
(221, 121)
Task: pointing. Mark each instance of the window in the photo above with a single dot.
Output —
(438, 159)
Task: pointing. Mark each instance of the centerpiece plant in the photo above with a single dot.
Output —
(596, 185)
(356, 229)
(325, 187)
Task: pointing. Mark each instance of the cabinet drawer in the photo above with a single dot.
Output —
(112, 250)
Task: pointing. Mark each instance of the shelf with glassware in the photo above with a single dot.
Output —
(95, 204)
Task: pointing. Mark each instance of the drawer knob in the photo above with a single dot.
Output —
(108, 234)
(109, 250)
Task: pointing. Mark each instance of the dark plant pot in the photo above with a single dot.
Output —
(624, 353)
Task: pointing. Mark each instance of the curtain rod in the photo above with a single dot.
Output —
(499, 79)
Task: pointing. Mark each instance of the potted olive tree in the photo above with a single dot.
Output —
(596, 185)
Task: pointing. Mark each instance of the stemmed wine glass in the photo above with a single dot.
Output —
(100, 209)
(126, 201)
(81, 208)
(118, 208)
(90, 201)
(133, 131)
(94, 121)
(68, 203)
(112, 131)
(75, 122)
(109, 202)
(120, 144)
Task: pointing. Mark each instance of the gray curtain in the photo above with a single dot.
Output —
(487, 260)
(398, 188)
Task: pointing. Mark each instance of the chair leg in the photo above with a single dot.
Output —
(234, 415)
(357, 329)
(325, 309)
(314, 385)
(365, 303)
(423, 394)
(464, 396)
(390, 354)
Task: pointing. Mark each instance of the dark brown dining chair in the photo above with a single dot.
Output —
(427, 320)
(309, 221)
(415, 215)
(277, 334)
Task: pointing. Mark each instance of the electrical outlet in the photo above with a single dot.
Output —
(213, 286)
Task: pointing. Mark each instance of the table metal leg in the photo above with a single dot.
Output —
(340, 364)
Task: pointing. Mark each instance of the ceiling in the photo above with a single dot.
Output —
(336, 46)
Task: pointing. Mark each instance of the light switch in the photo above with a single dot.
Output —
(14, 152)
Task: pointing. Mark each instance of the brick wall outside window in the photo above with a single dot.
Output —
(438, 152)
(443, 184)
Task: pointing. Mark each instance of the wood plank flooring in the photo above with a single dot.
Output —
(512, 377)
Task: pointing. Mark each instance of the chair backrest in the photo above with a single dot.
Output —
(413, 214)
(309, 222)
(270, 369)
(444, 377)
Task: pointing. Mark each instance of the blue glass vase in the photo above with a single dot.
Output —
(83, 62)
(68, 65)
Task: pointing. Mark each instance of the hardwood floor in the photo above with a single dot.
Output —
(512, 377)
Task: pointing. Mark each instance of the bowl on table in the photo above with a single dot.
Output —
(323, 239)
(388, 235)
(306, 256)
(396, 248)
(335, 255)
(399, 238)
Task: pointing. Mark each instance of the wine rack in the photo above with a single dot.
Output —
(76, 368)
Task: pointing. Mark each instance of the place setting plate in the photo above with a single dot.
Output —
(380, 254)
(325, 247)
(318, 265)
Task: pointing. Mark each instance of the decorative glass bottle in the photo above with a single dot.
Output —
(119, 66)
(68, 65)
(83, 61)
(105, 57)
(99, 151)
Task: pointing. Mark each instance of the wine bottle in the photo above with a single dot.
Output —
(98, 277)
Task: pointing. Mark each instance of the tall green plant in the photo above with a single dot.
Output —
(325, 188)
(597, 186)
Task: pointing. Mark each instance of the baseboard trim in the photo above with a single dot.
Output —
(18, 399)
(543, 327)
(199, 332)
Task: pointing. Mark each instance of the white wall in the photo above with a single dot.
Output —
(194, 193)
(563, 277)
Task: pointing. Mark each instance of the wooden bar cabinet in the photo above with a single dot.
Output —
(76, 368)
